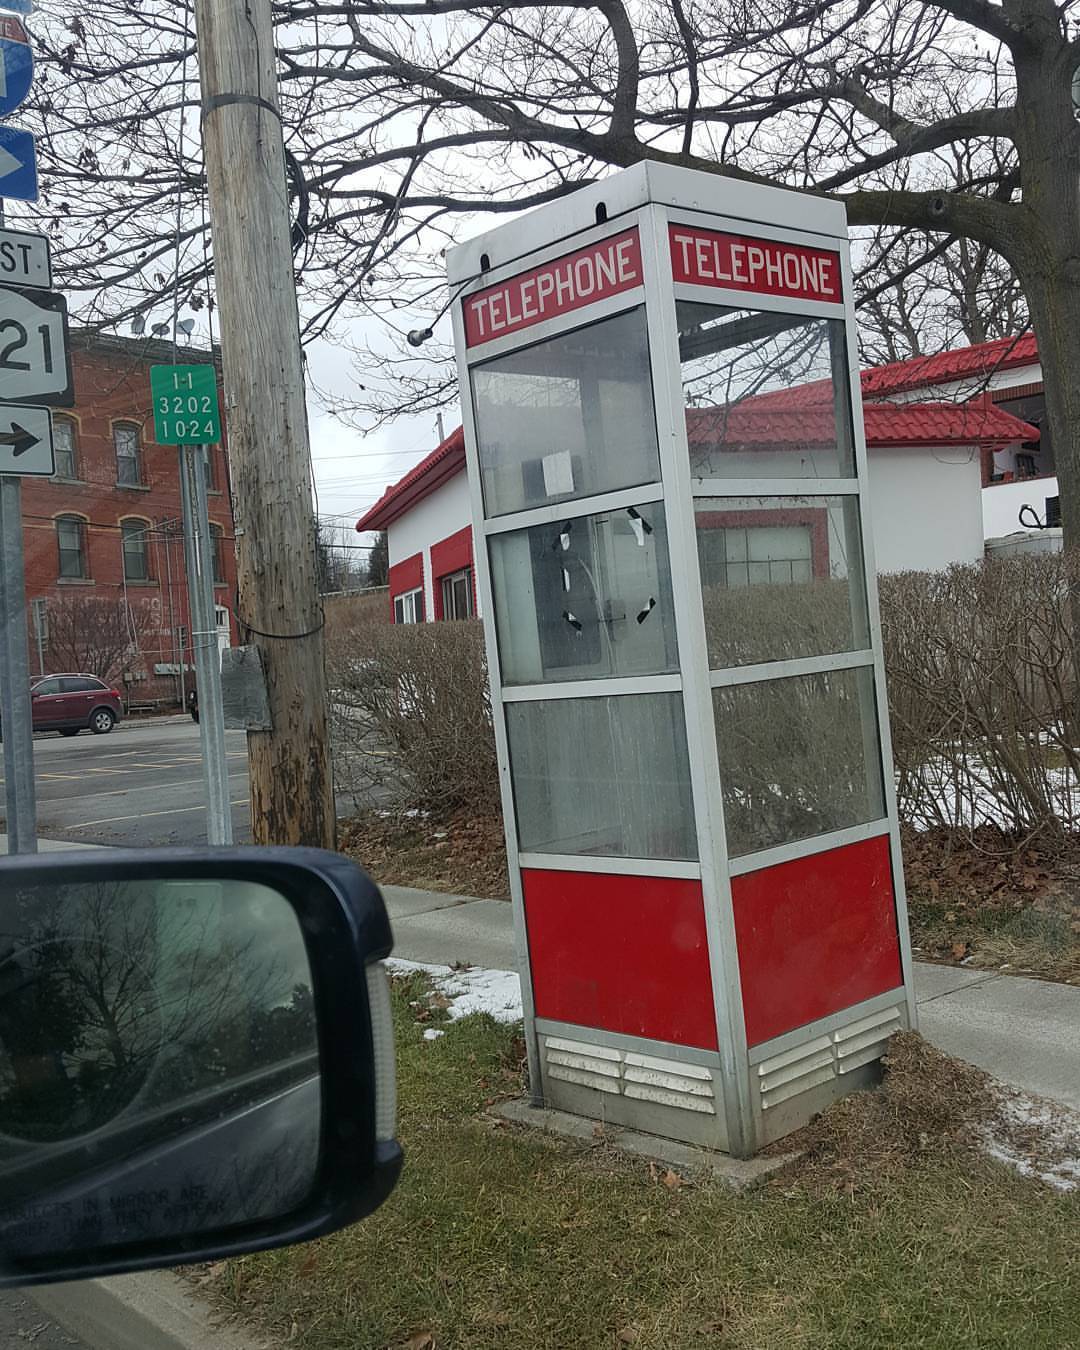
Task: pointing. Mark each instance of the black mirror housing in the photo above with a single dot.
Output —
(85, 1195)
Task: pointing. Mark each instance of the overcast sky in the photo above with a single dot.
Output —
(352, 468)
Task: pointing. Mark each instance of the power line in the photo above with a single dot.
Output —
(160, 528)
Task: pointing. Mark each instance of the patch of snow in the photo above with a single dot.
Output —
(471, 990)
(967, 792)
(1037, 1137)
(433, 1034)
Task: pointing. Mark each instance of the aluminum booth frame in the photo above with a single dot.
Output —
(713, 943)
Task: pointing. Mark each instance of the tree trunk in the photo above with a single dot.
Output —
(1055, 312)
(1046, 255)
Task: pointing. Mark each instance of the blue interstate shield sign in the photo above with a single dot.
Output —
(16, 63)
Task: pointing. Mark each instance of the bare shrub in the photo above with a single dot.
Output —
(348, 614)
(982, 690)
(982, 697)
(775, 622)
(412, 714)
(99, 636)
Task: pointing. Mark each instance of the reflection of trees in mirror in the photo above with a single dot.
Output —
(120, 1001)
(243, 1166)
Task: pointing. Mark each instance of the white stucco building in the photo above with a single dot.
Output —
(1005, 373)
(936, 430)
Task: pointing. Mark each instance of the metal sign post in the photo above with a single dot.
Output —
(16, 723)
(204, 642)
(35, 362)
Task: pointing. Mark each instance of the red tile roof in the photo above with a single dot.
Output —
(922, 372)
(444, 462)
(767, 423)
(978, 422)
(965, 363)
(782, 417)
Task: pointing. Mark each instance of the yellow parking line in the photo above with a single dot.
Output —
(145, 815)
(152, 764)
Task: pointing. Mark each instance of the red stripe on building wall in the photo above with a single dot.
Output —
(447, 557)
(815, 519)
(405, 576)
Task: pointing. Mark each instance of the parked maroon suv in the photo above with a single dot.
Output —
(70, 703)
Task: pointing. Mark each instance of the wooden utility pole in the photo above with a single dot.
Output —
(291, 791)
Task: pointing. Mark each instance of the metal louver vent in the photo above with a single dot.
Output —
(825, 1057)
(626, 1074)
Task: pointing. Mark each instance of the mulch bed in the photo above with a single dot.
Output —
(973, 903)
(465, 855)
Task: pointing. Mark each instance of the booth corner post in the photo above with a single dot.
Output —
(673, 550)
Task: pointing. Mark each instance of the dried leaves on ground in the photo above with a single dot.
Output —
(929, 1104)
(972, 904)
(927, 1100)
(465, 855)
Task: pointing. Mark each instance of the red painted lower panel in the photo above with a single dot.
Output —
(621, 953)
(815, 935)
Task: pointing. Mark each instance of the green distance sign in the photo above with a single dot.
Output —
(186, 410)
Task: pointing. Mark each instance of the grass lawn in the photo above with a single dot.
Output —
(892, 1233)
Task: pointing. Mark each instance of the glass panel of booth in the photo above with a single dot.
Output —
(781, 578)
(571, 416)
(798, 757)
(585, 598)
(767, 393)
(602, 776)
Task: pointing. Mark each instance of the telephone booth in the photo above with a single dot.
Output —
(672, 548)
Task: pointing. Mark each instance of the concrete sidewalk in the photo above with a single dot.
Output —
(49, 846)
(1025, 1032)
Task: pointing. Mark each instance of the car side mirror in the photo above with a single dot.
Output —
(196, 1056)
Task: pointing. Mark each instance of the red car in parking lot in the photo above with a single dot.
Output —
(72, 702)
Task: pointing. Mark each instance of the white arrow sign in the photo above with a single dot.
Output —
(26, 443)
(33, 348)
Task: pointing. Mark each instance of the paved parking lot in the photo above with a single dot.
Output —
(140, 786)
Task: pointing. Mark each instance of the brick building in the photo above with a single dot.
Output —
(105, 576)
